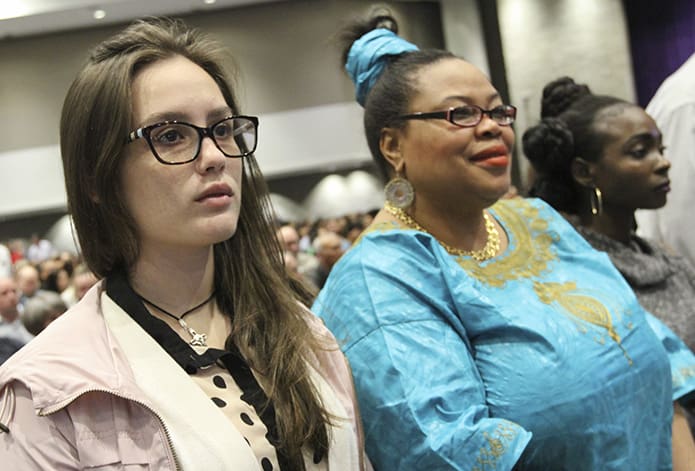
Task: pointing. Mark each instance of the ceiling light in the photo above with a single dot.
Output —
(210, 2)
(13, 9)
(99, 14)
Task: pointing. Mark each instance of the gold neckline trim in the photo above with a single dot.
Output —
(492, 245)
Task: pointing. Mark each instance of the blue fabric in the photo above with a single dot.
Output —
(541, 356)
(365, 61)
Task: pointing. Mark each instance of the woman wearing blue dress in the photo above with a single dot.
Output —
(486, 333)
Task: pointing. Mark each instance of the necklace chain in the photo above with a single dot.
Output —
(492, 245)
(197, 340)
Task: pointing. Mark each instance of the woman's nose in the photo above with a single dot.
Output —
(663, 165)
(211, 157)
(488, 126)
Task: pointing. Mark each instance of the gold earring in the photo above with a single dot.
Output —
(596, 202)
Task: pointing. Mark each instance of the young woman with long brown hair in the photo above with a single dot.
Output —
(193, 352)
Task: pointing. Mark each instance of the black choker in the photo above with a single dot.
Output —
(197, 340)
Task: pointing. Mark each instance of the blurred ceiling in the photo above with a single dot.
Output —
(29, 17)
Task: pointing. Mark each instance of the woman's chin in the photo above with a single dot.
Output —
(656, 203)
(212, 234)
(504, 190)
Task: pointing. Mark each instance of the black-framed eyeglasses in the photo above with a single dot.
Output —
(469, 116)
(176, 142)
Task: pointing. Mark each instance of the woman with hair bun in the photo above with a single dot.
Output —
(598, 159)
(485, 333)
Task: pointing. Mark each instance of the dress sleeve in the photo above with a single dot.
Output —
(681, 358)
(422, 398)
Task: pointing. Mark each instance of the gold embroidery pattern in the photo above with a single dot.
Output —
(529, 258)
(386, 226)
(683, 375)
(532, 251)
(580, 306)
(497, 443)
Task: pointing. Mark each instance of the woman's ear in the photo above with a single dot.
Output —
(390, 146)
(583, 172)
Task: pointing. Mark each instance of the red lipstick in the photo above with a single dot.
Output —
(495, 156)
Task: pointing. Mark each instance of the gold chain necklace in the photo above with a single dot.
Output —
(492, 245)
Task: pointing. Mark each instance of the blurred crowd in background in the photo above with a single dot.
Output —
(38, 283)
(311, 248)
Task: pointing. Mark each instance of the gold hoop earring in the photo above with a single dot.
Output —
(399, 192)
(596, 202)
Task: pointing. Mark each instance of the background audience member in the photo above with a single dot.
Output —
(16, 247)
(13, 335)
(82, 279)
(598, 159)
(290, 262)
(485, 332)
(289, 239)
(28, 282)
(329, 247)
(673, 109)
(304, 230)
(353, 230)
(39, 250)
(57, 279)
(41, 310)
(5, 261)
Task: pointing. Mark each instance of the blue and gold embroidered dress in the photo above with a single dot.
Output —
(540, 357)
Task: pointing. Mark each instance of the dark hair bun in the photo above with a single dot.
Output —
(377, 17)
(384, 20)
(560, 94)
(549, 146)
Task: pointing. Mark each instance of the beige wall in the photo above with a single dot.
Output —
(283, 49)
(547, 39)
(289, 64)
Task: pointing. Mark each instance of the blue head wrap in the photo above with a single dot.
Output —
(365, 61)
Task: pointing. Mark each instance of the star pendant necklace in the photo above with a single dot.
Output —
(197, 340)
(492, 245)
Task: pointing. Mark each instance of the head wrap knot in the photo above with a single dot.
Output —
(365, 61)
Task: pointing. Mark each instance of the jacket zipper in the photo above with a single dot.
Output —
(50, 410)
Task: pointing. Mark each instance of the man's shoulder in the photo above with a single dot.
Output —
(15, 330)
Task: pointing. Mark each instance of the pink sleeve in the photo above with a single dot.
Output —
(335, 369)
(34, 442)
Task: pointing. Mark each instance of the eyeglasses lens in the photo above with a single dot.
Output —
(503, 114)
(472, 115)
(243, 133)
(467, 115)
(175, 143)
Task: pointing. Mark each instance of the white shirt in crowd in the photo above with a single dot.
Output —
(673, 109)
(5, 262)
(40, 251)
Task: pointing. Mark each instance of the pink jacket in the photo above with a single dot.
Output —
(70, 401)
